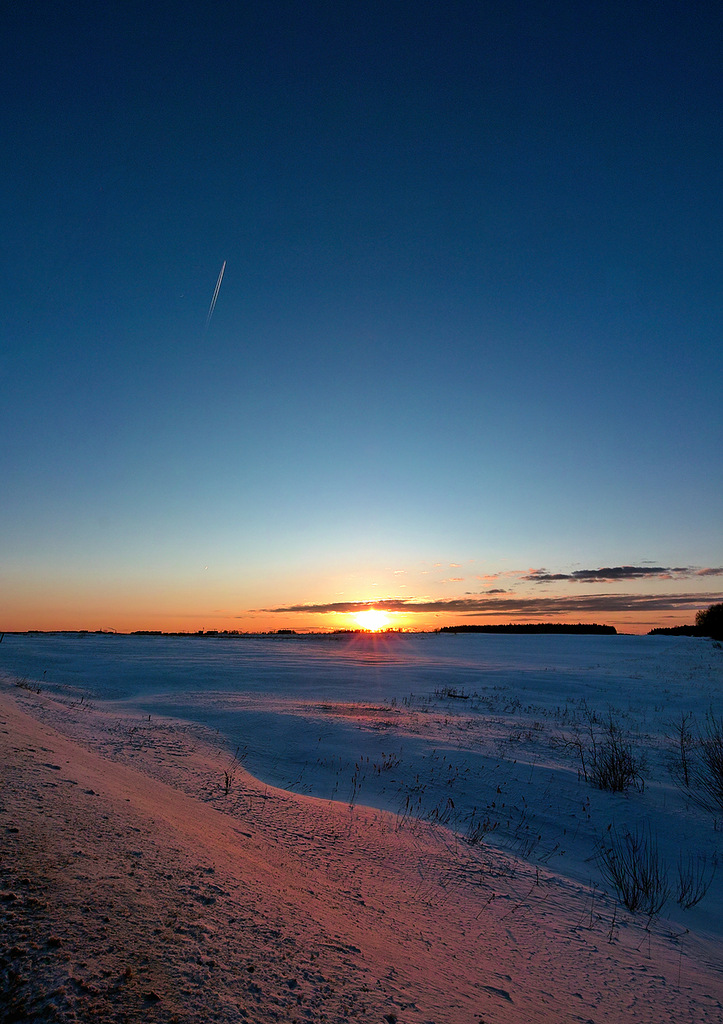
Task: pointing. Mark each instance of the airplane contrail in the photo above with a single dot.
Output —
(215, 296)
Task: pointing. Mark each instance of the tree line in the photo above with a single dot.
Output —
(708, 622)
(532, 627)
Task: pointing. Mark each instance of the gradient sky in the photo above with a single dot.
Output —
(467, 349)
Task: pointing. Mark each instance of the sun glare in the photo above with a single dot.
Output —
(372, 619)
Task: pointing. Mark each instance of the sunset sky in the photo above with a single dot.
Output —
(466, 355)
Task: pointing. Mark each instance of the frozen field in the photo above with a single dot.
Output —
(462, 862)
(490, 736)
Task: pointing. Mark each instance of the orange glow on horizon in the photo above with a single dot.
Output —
(124, 606)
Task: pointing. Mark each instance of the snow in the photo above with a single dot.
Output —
(416, 806)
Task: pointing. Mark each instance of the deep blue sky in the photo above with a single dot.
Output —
(470, 323)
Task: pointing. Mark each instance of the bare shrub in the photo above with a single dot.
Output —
(631, 863)
(693, 879)
(706, 771)
(614, 765)
(697, 764)
(608, 758)
(684, 740)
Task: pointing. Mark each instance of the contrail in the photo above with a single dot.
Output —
(215, 296)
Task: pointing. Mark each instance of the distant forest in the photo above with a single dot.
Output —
(675, 631)
(533, 627)
(708, 622)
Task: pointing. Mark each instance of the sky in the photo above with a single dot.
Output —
(465, 361)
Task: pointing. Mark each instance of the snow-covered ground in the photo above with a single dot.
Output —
(493, 741)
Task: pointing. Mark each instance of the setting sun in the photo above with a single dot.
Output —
(372, 619)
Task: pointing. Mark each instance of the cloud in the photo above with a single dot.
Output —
(396, 604)
(486, 604)
(614, 574)
(710, 572)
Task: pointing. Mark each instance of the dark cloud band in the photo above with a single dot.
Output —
(618, 573)
(586, 603)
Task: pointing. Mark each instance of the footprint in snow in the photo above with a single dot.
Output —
(501, 992)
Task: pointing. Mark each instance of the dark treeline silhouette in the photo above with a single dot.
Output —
(708, 622)
(689, 630)
(533, 627)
